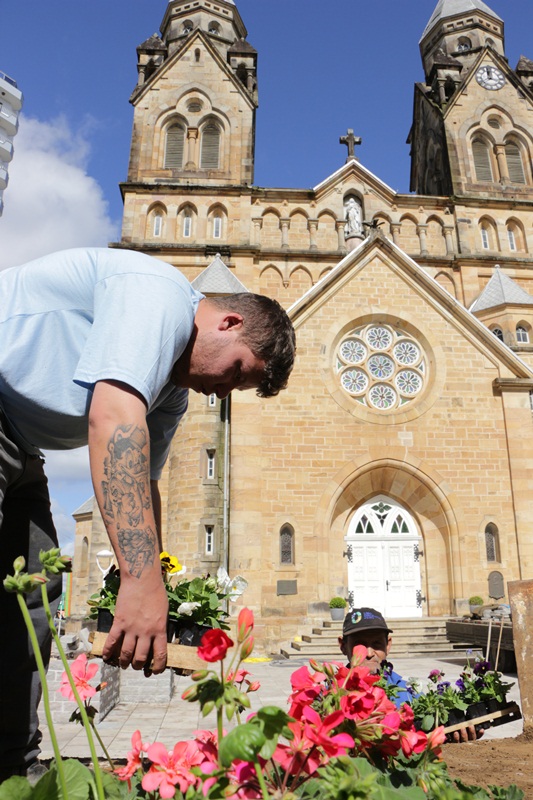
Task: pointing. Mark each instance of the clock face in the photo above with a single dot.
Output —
(490, 77)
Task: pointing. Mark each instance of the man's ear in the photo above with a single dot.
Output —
(231, 319)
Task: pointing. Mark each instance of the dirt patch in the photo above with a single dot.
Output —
(495, 761)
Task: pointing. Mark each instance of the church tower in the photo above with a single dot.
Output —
(471, 132)
(194, 118)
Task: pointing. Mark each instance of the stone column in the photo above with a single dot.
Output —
(521, 601)
(313, 226)
(422, 235)
(501, 158)
(192, 136)
(395, 230)
(448, 235)
(340, 234)
(285, 224)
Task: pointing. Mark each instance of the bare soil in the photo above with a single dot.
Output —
(500, 762)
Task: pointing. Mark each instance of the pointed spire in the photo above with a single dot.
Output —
(218, 279)
(450, 8)
(501, 290)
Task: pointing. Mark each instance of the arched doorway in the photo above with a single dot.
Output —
(384, 568)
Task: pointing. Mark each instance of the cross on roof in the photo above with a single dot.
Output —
(350, 141)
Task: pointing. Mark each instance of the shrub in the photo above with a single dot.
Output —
(337, 602)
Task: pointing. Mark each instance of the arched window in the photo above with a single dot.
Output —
(492, 542)
(217, 227)
(498, 333)
(522, 336)
(515, 166)
(482, 162)
(158, 223)
(484, 237)
(464, 44)
(512, 239)
(286, 544)
(210, 147)
(187, 224)
(174, 146)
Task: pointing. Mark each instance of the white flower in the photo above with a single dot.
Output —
(237, 587)
(186, 609)
(233, 587)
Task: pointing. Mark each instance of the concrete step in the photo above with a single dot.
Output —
(413, 637)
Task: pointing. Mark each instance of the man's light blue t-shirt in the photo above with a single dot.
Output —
(73, 318)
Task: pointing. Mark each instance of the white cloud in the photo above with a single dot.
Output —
(72, 465)
(51, 203)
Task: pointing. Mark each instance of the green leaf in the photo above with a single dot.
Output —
(272, 721)
(16, 787)
(243, 742)
(78, 780)
(428, 722)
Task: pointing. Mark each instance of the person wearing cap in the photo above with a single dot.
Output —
(367, 627)
(100, 347)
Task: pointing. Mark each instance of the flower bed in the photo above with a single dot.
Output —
(341, 738)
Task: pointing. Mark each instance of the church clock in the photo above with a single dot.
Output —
(490, 77)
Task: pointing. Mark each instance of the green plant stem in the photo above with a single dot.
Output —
(220, 726)
(102, 745)
(46, 695)
(81, 705)
(261, 779)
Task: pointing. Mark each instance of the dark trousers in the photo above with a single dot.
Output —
(26, 527)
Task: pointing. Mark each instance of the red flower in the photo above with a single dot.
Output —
(82, 674)
(413, 742)
(300, 754)
(215, 644)
(245, 624)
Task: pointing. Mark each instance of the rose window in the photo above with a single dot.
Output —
(381, 367)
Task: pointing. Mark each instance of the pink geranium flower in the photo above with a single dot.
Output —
(82, 673)
(134, 758)
(171, 769)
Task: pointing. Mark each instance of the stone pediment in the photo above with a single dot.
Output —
(192, 41)
(351, 175)
(491, 58)
(396, 274)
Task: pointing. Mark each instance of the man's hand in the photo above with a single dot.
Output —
(139, 631)
(465, 735)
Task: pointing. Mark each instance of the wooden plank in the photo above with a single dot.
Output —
(178, 655)
(512, 710)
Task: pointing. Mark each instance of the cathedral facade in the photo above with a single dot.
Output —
(396, 469)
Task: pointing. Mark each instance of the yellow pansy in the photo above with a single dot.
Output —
(170, 563)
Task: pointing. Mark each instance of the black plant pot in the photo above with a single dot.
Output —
(455, 716)
(189, 633)
(171, 630)
(477, 710)
(493, 705)
(104, 622)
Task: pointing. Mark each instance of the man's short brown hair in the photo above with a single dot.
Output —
(268, 332)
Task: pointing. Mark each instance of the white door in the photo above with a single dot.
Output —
(384, 570)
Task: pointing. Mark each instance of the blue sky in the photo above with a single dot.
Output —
(323, 68)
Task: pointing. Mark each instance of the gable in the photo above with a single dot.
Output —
(377, 280)
(353, 175)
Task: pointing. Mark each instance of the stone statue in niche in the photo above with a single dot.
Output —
(353, 218)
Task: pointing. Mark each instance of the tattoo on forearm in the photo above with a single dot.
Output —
(126, 489)
(138, 548)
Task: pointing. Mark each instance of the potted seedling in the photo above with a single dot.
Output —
(337, 606)
(476, 603)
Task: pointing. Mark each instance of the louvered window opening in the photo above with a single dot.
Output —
(512, 239)
(482, 163)
(187, 225)
(515, 167)
(174, 148)
(485, 238)
(210, 146)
